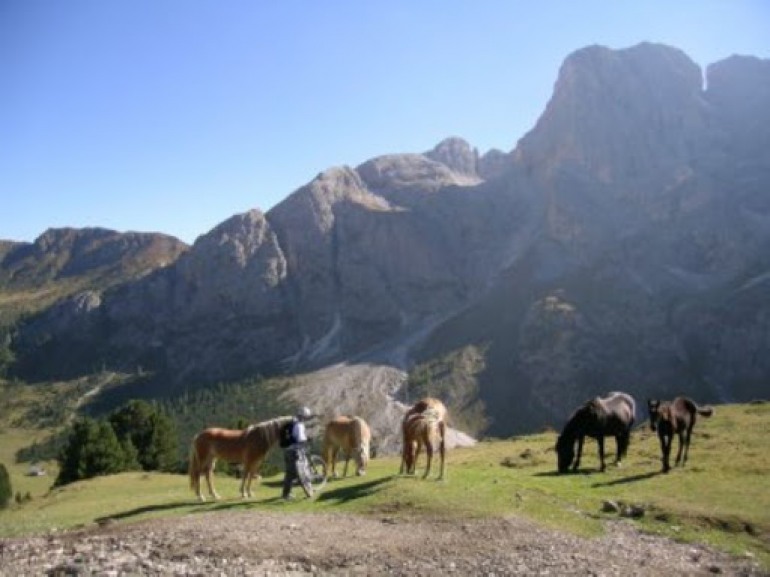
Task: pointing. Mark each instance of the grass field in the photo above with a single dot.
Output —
(721, 498)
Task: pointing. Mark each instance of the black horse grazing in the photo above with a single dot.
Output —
(675, 417)
(612, 415)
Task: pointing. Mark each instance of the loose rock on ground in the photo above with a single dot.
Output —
(286, 544)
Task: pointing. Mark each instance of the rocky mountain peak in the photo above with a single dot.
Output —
(739, 92)
(240, 235)
(619, 115)
(457, 154)
(67, 252)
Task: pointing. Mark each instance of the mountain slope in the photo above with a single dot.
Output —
(624, 244)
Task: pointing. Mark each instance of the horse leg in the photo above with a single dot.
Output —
(665, 448)
(686, 445)
(681, 447)
(253, 474)
(328, 453)
(209, 468)
(575, 467)
(197, 485)
(429, 453)
(600, 442)
(442, 449)
(347, 462)
(246, 480)
(418, 448)
(621, 446)
(334, 452)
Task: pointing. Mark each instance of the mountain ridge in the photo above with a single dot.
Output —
(599, 253)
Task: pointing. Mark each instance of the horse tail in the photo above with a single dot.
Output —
(705, 411)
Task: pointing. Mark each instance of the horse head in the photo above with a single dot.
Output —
(362, 459)
(565, 451)
(653, 407)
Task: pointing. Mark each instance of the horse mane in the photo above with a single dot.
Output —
(575, 420)
(266, 432)
(359, 427)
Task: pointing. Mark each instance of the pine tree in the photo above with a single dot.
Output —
(92, 449)
(6, 492)
(150, 431)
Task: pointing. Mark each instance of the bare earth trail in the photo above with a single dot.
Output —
(293, 544)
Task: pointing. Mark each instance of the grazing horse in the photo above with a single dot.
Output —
(675, 417)
(352, 436)
(424, 425)
(612, 415)
(249, 447)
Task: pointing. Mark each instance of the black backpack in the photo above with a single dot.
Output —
(286, 436)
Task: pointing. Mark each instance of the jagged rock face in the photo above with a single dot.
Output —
(65, 252)
(739, 90)
(457, 155)
(654, 245)
(624, 244)
(620, 116)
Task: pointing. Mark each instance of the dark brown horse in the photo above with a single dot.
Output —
(597, 418)
(675, 417)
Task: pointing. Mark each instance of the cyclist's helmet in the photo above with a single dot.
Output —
(304, 414)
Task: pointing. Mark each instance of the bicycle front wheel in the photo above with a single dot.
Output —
(316, 472)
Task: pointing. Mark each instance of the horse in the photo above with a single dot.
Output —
(248, 447)
(675, 417)
(598, 417)
(424, 425)
(353, 437)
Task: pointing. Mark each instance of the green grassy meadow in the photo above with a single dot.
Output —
(722, 497)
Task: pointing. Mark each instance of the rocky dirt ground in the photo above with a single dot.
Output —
(293, 544)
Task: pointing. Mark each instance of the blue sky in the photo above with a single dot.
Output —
(173, 115)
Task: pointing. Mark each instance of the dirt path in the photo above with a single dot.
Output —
(290, 544)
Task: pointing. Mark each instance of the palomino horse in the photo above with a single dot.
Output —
(675, 417)
(612, 415)
(352, 436)
(249, 447)
(424, 424)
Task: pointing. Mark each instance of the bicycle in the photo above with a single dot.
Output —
(312, 472)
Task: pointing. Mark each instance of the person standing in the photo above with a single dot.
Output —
(294, 447)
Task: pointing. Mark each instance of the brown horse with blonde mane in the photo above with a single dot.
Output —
(675, 417)
(352, 436)
(424, 425)
(248, 447)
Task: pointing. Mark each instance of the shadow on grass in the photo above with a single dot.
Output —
(352, 492)
(571, 473)
(630, 479)
(143, 510)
